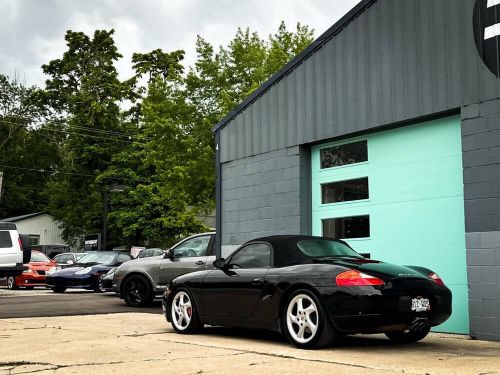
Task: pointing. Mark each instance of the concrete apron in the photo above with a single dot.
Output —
(138, 343)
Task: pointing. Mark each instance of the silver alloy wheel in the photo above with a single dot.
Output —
(302, 318)
(182, 311)
(11, 282)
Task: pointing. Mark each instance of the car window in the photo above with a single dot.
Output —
(39, 257)
(158, 252)
(62, 258)
(252, 256)
(194, 247)
(143, 254)
(5, 240)
(78, 256)
(122, 258)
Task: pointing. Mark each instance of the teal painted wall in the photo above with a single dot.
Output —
(416, 203)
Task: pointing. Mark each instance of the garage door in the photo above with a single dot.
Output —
(398, 195)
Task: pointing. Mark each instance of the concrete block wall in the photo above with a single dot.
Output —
(481, 162)
(260, 196)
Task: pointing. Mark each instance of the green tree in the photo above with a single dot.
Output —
(84, 90)
(28, 150)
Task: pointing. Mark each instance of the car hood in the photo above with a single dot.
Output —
(40, 265)
(72, 270)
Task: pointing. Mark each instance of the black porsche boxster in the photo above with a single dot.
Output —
(310, 288)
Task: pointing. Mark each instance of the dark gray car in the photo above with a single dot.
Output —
(140, 280)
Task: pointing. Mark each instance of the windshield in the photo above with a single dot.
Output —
(39, 257)
(326, 248)
(79, 256)
(101, 258)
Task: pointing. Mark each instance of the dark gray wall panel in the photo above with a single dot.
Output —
(483, 272)
(397, 61)
(261, 196)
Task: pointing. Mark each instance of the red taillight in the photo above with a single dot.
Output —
(435, 278)
(356, 278)
(20, 243)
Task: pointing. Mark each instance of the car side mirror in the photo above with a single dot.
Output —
(26, 247)
(220, 263)
(169, 253)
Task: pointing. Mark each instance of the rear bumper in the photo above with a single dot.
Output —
(12, 270)
(368, 310)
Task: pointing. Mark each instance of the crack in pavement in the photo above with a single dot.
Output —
(55, 367)
(284, 356)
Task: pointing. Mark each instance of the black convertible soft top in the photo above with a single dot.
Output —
(285, 250)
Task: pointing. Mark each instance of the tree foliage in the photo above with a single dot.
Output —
(161, 149)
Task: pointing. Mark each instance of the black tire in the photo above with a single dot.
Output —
(98, 288)
(30, 287)
(11, 283)
(194, 324)
(137, 291)
(59, 289)
(407, 337)
(324, 334)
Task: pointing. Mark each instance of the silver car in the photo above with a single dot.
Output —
(138, 282)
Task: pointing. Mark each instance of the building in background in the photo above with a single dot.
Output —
(384, 132)
(44, 232)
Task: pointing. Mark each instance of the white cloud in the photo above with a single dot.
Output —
(32, 31)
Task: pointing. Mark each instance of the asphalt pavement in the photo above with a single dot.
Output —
(43, 302)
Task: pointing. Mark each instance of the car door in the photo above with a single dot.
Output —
(189, 256)
(235, 291)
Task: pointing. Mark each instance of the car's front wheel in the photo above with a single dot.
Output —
(406, 337)
(137, 291)
(99, 288)
(183, 312)
(11, 283)
(306, 323)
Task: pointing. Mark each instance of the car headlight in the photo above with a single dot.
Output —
(84, 271)
(50, 271)
(28, 271)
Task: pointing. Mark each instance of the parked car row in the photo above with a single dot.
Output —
(311, 289)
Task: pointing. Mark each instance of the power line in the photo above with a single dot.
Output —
(80, 133)
(73, 174)
(102, 131)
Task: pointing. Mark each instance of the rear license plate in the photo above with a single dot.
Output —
(420, 304)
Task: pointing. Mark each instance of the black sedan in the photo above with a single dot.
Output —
(312, 289)
(87, 273)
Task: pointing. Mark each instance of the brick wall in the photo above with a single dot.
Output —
(481, 162)
(261, 196)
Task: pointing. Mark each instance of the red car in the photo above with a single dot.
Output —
(35, 274)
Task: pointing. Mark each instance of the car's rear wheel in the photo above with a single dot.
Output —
(183, 312)
(99, 288)
(137, 291)
(11, 283)
(59, 289)
(406, 337)
(306, 323)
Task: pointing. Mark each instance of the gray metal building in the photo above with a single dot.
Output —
(411, 89)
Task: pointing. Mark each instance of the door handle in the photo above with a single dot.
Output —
(258, 281)
(199, 263)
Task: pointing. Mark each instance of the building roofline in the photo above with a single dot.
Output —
(21, 217)
(297, 60)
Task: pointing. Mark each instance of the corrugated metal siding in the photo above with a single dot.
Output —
(44, 226)
(397, 61)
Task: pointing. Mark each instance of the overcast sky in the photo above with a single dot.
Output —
(32, 31)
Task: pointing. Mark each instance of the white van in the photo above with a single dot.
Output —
(15, 250)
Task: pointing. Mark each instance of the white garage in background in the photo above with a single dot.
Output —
(42, 228)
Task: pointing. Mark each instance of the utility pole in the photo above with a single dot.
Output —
(1, 178)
